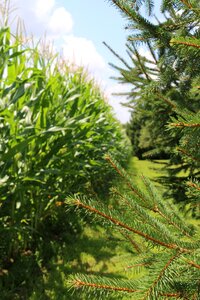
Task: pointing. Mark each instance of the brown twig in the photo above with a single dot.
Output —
(79, 283)
(138, 265)
(135, 245)
(187, 4)
(173, 295)
(182, 124)
(108, 158)
(191, 184)
(166, 100)
(187, 154)
(192, 263)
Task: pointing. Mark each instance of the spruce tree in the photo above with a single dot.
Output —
(165, 245)
(161, 83)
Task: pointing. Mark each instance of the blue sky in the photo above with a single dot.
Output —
(77, 29)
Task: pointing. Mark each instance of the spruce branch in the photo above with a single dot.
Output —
(93, 210)
(145, 217)
(79, 283)
(134, 244)
(117, 55)
(161, 274)
(138, 265)
(137, 38)
(187, 3)
(133, 15)
(152, 52)
(189, 43)
(141, 64)
(192, 263)
(124, 176)
(103, 284)
(183, 151)
(194, 8)
(171, 295)
(168, 101)
(182, 124)
(132, 217)
(193, 185)
(151, 202)
(162, 211)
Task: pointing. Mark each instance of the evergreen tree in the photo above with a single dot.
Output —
(161, 84)
(164, 246)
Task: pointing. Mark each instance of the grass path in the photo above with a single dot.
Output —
(150, 169)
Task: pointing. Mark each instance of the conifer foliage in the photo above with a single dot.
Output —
(164, 80)
(165, 245)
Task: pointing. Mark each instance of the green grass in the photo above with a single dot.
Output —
(150, 169)
(96, 251)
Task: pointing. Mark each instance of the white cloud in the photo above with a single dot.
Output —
(83, 52)
(47, 17)
(122, 113)
(43, 16)
(146, 53)
(60, 22)
(43, 8)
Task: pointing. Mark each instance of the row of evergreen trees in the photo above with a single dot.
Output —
(163, 81)
(164, 246)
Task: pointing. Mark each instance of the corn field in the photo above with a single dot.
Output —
(55, 127)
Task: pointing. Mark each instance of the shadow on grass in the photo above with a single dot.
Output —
(90, 254)
(31, 279)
